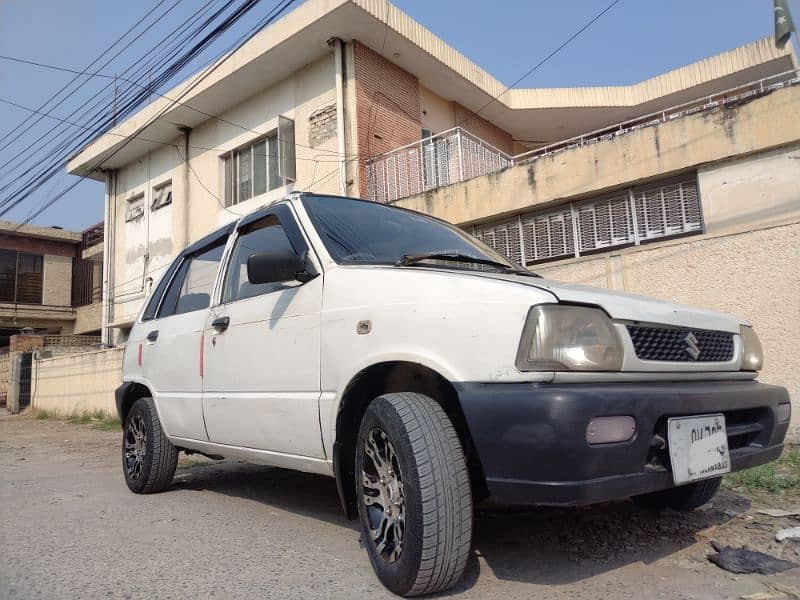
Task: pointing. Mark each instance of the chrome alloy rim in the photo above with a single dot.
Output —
(135, 446)
(382, 492)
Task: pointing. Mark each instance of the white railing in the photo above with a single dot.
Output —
(448, 157)
(457, 155)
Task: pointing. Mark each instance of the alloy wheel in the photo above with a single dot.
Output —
(135, 446)
(382, 494)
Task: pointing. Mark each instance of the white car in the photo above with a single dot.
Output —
(426, 372)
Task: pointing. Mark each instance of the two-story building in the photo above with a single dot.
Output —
(50, 280)
(684, 186)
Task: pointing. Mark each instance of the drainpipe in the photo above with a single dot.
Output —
(108, 259)
(338, 59)
(184, 217)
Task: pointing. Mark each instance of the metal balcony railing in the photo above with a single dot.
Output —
(92, 236)
(448, 157)
(457, 155)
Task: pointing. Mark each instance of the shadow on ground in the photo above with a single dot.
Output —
(545, 546)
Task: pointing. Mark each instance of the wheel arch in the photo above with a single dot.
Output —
(128, 393)
(388, 377)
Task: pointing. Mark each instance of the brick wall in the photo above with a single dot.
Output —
(482, 128)
(387, 107)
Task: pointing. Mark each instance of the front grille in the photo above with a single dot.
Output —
(677, 345)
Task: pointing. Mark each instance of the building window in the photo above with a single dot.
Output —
(162, 195)
(629, 217)
(135, 208)
(261, 166)
(21, 277)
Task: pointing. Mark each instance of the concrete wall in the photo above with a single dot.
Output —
(143, 248)
(77, 383)
(88, 318)
(57, 281)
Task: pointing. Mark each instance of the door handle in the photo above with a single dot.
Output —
(220, 324)
(152, 336)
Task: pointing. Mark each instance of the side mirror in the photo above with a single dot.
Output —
(274, 267)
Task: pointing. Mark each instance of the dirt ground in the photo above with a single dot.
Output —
(70, 528)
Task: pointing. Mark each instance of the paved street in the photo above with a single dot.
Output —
(71, 529)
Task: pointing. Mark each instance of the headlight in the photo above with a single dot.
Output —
(752, 355)
(568, 338)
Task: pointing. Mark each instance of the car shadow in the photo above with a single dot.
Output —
(545, 546)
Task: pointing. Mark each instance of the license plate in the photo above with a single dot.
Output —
(698, 447)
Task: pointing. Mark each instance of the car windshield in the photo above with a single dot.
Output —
(363, 232)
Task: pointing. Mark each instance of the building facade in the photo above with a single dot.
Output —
(683, 186)
(50, 280)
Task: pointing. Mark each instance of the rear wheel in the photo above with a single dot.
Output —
(686, 497)
(414, 497)
(148, 457)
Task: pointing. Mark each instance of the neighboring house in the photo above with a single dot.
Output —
(50, 280)
(683, 186)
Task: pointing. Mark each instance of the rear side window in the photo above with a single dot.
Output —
(192, 285)
(265, 235)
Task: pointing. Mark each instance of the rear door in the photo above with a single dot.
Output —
(171, 348)
(261, 375)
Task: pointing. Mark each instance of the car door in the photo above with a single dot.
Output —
(261, 382)
(170, 352)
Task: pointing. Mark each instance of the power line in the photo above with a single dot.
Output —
(9, 140)
(563, 45)
(27, 188)
(230, 51)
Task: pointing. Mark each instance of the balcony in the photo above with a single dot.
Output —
(448, 157)
(457, 155)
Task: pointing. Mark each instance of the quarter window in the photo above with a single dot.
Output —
(265, 235)
(193, 283)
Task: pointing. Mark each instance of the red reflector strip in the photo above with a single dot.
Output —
(140, 355)
(202, 350)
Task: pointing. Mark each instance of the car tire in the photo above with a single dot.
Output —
(148, 457)
(413, 493)
(685, 498)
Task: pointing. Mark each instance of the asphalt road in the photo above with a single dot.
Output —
(69, 528)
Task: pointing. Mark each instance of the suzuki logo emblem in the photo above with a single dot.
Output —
(692, 349)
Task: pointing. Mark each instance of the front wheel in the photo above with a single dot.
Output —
(148, 457)
(686, 497)
(414, 496)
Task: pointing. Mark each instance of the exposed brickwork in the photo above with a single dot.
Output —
(22, 342)
(37, 246)
(321, 125)
(387, 107)
(482, 128)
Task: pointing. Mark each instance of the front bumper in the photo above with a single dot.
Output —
(531, 438)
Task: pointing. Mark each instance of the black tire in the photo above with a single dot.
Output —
(427, 461)
(156, 456)
(686, 497)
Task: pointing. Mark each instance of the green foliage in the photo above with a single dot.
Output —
(783, 474)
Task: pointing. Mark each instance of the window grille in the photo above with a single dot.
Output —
(547, 235)
(162, 195)
(632, 216)
(503, 237)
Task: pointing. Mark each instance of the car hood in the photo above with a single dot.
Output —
(630, 307)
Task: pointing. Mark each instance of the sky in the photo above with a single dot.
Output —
(635, 40)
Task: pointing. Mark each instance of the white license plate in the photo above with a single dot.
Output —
(698, 447)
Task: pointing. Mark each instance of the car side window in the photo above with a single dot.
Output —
(264, 235)
(193, 283)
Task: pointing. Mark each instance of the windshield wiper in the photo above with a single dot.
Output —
(410, 259)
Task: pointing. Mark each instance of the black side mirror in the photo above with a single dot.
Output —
(277, 266)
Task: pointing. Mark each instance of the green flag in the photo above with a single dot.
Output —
(783, 23)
